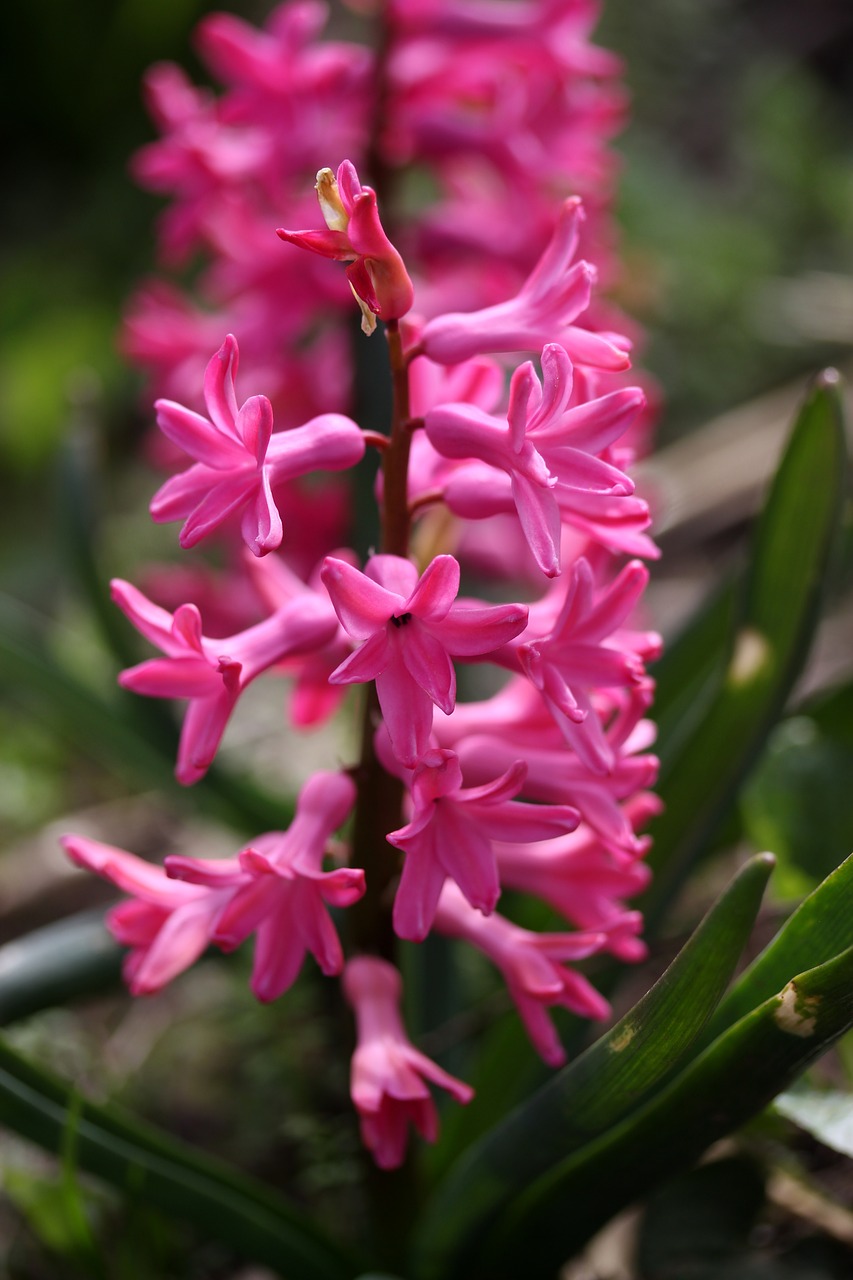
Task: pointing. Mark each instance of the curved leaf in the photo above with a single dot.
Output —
(62, 961)
(594, 1092)
(149, 1165)
(819, 929)
(730, 1082)
(775, 625)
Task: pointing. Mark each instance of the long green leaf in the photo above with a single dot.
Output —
(148, 1165)
(62, 961)
(819, 929)
(790, 558)
(730, 1082)
(597, 1090)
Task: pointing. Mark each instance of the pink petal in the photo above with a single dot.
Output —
(172, 678)
(361, 604)
(469, 631)
(254, 425)
(195, 435)
(261, 524)
(426, 660)
(219, 394)
(539, 514)
(437, 589)
(366, 663)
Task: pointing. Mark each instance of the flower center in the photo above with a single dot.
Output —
(402, 620)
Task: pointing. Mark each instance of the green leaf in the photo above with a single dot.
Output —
(819, 929)
(799, 803)
(827, 1114)
(690, 671)
(594, 1092)
(730, 1082)
(148, 1165)
(60, 962)
(775, 624)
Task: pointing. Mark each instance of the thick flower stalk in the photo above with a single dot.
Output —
(504, 741)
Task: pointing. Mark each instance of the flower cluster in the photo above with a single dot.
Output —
(506, 454)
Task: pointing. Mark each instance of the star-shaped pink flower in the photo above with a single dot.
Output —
(409, 629)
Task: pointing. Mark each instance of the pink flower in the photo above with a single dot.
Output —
(544, 310)
(584, 881)
(389, 1075)
(531, 966)
(238, 459)
(555, 774)
(213, 673)
(280, 892)
(584, 652)
(354, 234)
(409, 629)
(451, 833)
(166, 924)
(541, 444)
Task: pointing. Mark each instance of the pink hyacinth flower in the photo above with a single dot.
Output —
(584, 652)
(544, 310)
(166, 924)
(238, 459)
(531, 964)
(541, 444)
(388, 1079)
(213, 673)
(451, 834)
(280, 892)
(581, 879)
(354, 234)
(409, 629)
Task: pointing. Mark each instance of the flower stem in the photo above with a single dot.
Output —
(380, 795)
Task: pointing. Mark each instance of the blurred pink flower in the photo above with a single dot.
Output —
(166, 924)
(531, 964)
(388, 1076)
(543, 310)
(280, 892)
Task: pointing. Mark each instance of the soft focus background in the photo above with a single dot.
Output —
(737, 194)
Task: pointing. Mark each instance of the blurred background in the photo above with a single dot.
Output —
(735, 209)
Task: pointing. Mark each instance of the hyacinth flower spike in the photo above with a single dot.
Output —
(451, 834)
(544, 310)
(388, 1079)
(238, 459)
(212, 674)
(354, 234)
(409, 628)
(283, 893)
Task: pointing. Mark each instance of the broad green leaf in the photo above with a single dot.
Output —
(62, 961)
(730, 1082)
(819, 929)
(776, 620)
(596, 1090)
(827, 1114)
(148, 1165)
